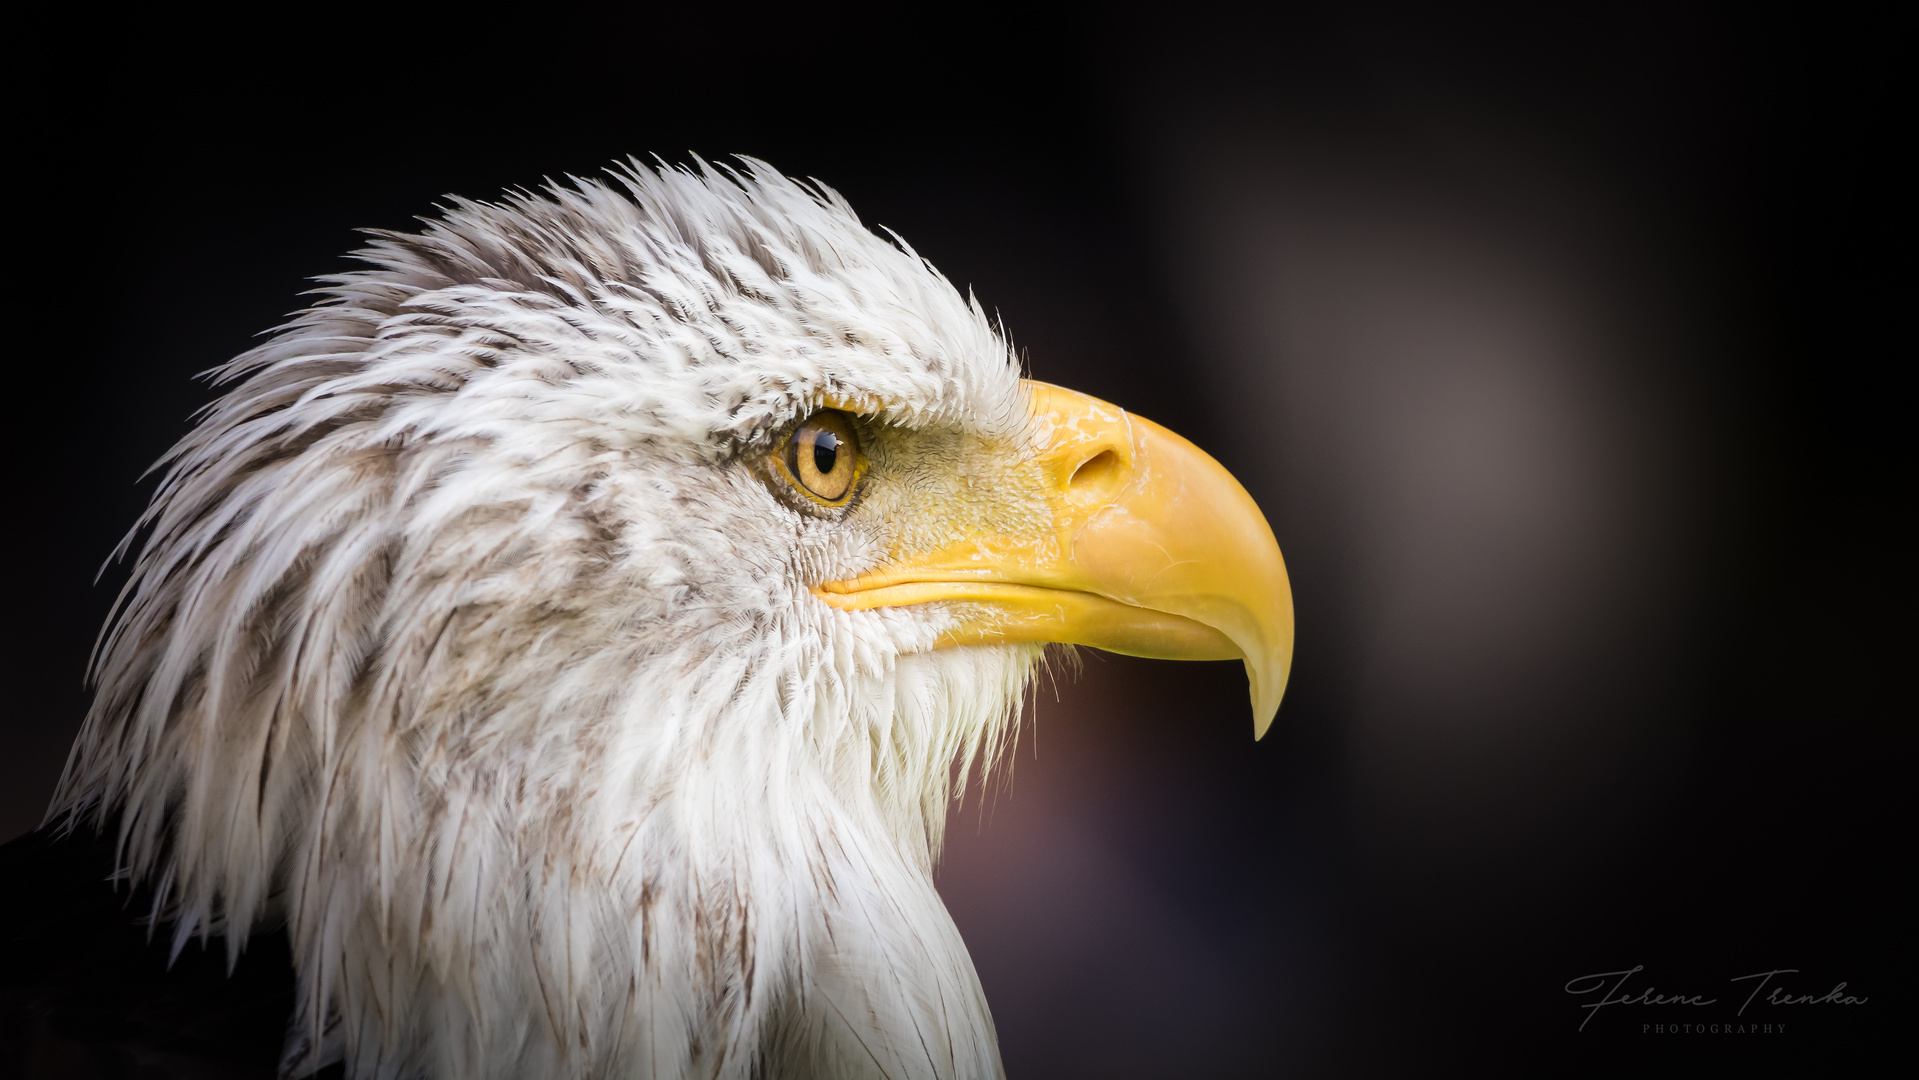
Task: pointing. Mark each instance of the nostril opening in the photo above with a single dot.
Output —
(1095, 471)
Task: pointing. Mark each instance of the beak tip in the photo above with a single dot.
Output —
(1263, 720)
(1265, 701)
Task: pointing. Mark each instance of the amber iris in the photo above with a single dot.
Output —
(822, 457)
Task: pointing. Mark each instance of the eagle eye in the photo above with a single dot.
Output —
(822, 457)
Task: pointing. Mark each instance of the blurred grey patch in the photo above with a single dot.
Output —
(1441, 365)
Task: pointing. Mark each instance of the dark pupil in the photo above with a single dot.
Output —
(826, 451)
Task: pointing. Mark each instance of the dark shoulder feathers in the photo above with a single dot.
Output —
(87, 991)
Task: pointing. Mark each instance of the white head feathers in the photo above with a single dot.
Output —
(464, 641)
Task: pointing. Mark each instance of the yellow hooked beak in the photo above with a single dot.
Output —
(1153, 549)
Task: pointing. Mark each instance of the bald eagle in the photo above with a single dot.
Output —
(574, 627)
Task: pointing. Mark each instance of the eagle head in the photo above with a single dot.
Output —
(574, 627)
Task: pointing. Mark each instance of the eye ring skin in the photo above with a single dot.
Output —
(828, 437)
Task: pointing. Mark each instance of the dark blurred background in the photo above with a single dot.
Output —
(1555, 341)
